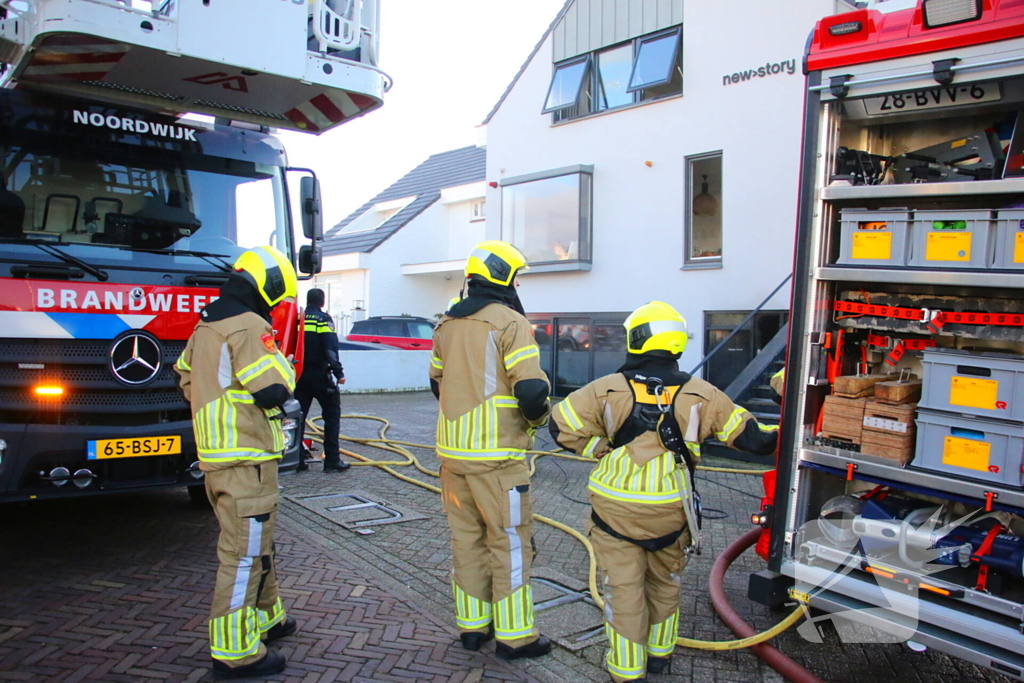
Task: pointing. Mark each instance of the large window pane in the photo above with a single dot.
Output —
(565, 85)
(655, 60)
(549, 219)
(613, 68)
(704, 209)
(609, 348)
(572, 365)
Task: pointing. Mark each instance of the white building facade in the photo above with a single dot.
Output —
(664, 167)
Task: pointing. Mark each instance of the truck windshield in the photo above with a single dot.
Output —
(120, 208)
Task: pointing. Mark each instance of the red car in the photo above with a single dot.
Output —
(401, 331)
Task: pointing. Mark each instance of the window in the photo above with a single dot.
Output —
(478, 210)
(566, 84)
(647, 68)
(548, 218)
(421, 330)
(655, 61)
(703, 211)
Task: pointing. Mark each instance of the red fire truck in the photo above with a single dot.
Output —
(120, 215)
(898, 499)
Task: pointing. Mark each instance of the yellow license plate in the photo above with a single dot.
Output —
(133, 448)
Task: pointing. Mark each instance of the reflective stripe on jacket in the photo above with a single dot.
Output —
(477, 361)
(223, 364)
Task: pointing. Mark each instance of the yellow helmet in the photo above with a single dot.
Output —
(495, 261)
(655, 326)
(270, 272)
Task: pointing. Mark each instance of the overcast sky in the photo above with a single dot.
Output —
(450, 61)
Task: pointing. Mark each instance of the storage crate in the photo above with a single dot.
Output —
(1009, 254)
(951, 239)
(970, 447)
(874, 238)
(983, 384)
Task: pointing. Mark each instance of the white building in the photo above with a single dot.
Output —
(439, 209)
(647, 149)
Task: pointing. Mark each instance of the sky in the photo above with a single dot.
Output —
(450, 62)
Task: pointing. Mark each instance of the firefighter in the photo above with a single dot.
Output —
(485, 371)
(321, 375)
(644, 425)
(238, 382)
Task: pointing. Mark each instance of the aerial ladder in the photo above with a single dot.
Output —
(287, 64)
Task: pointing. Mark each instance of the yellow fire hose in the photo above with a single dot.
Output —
(315, 432)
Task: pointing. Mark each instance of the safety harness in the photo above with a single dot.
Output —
(653, 403)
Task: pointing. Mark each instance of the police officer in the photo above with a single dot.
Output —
(237, 382)
(644, 425)
(485, 371)
(321, 375)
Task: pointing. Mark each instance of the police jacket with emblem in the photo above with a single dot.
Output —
(321, 352)
(236, 381)
(614, 419)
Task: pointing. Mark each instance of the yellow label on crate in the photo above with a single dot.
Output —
(973, 392)
(1018, 248)
(872, 245)
(966, 453)
(946, 246)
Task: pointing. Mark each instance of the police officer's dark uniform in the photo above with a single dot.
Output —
(321, 373)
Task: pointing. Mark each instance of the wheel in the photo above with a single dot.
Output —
(197, 494)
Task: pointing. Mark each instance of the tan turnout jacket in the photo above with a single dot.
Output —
(635, 488)
(223, 364)
(477, 361)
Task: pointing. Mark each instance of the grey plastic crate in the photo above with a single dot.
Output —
(874, 238)
(951, 239)
(1009, 252)
(983, 384)
(970, 447)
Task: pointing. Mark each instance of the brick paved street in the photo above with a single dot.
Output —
(118, 588)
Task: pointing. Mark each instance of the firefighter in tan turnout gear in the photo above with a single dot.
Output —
(644, 426)
(485, 371)
(238, 382)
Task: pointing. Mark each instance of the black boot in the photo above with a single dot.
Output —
(658, 665)
(270, 665)
(339, 466)
(281, 630)
(537, 648)
(473, 641)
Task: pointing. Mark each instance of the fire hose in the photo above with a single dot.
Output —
(748, 637)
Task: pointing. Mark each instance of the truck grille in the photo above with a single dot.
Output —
(90, 389)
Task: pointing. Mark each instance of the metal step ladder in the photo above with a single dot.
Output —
(292, 64)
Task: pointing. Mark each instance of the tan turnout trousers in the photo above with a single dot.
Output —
(641, 593)
(491, 518)
(246, 603)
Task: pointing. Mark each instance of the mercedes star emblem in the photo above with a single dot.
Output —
(135, 358)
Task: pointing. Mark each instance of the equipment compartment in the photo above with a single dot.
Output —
(951, 239)
(970, 447)
(984, 384)
(874, 238)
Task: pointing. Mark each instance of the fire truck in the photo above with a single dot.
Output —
(898, 498)
(136, 163)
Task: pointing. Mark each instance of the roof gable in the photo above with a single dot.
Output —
(425, 182)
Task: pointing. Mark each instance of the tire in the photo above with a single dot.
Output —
(197, 494)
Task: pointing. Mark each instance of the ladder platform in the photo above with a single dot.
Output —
(265, 63)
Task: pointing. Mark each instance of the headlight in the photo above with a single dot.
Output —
(290, 427)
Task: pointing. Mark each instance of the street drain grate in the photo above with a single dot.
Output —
(571, 617)
(356, 510)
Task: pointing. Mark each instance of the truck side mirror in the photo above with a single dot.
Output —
(312, 217)
(310, 259)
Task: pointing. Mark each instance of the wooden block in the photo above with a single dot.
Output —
(899, 448)
(858, 385)
(898, 392)
(844, 418)
(852, 408)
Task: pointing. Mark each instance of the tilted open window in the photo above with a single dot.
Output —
(655, 60)
(566, 84)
